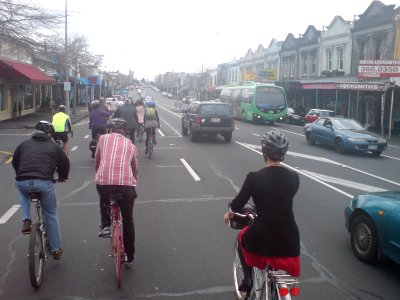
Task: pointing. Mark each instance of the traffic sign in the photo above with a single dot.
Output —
(67, 86)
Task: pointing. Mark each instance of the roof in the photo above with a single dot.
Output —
(15, 70)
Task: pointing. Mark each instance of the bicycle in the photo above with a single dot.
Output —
(150, 144)
(267, 283)
(38, 243)
(117, 242)
(140, 132)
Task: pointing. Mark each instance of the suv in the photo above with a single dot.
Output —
(315, 114)
(208, 117)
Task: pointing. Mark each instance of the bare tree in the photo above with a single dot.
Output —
(25, 24)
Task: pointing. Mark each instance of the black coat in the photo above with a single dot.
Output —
(128, 113)
(39, 158)
(275, 232)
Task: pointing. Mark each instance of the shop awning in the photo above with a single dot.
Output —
(15, 70)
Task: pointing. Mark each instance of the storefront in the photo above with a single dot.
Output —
(21, 89)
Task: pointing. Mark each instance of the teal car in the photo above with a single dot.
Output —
(373, 221)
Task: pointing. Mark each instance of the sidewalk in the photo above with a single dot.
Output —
(29, 121)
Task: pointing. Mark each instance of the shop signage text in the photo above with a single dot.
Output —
(378, 68)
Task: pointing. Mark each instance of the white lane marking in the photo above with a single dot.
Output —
(295, 133)
(173, 129)
(74, 148)
(236, 127)
(81, 123)
(86, 136)
(168, 110)
(346, 183)
(393, 146)
(390, 157)
(256, 134)
(4, 218)
(190, 170)
(303, 173)
(160, 132)
(323, 159)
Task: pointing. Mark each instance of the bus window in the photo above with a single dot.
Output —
(271, 97)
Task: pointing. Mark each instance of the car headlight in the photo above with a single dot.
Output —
(357, 139)
(382, 141)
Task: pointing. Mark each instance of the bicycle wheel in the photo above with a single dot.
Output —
(150, 146)
(116, 244)
(238, 274)
(36, 256)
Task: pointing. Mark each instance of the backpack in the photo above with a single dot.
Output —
(150, 113)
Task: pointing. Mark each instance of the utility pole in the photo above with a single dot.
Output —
(67, 86)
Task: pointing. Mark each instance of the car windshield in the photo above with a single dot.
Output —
(213, 109)
(327, 113)
(270, 97)
(347, 124)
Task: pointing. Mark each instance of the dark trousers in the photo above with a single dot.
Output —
(148, 131)
(130, 134)
(126, 205)
(98, 130)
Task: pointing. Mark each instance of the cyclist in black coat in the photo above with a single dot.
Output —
(35, 161)
(274, 236)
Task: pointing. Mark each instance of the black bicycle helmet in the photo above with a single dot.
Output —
(45, 127)
(116, 124)
(274, 145)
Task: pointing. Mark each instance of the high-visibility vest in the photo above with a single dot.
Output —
(60, 122)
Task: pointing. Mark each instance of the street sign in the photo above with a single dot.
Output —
(378, 69)
(67, 86)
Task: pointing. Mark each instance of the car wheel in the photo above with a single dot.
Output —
(193, 135)
(227, 136)
(376, 153)
(339, 147)
(310, 141)
(364, 240)
(184, 130)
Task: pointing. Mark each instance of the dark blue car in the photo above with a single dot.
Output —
(373, 221)
(345, 135)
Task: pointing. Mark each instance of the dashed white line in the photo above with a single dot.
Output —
(74, 148)
(86, 136)
(4, 218)
(160, 132)
(190, 170)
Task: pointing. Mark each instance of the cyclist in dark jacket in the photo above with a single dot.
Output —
(274, 237)
(35, 161)
(127, 111)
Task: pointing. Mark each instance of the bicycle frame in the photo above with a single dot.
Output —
(117, 244)
(150, 144)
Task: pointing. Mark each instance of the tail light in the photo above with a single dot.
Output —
(197, 120)
(283, 291)
(295, 291)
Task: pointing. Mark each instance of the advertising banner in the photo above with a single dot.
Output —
(378, 69)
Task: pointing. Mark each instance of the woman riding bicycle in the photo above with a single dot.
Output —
(273, 238)
(151, 122)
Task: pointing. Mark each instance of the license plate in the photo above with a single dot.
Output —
(215, 120)
(372, 147)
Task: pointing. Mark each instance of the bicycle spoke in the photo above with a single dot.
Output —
(36, 256)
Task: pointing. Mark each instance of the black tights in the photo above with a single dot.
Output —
(247, 272)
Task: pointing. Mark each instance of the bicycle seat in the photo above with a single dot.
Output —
(35, 195)
(113, 198)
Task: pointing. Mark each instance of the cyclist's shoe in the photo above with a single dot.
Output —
(129, 264)
(26, 227)
(57, 254)
(245, 287)
(146, 151)
(155, 142)
(105, 231)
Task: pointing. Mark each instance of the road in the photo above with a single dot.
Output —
(183, 248)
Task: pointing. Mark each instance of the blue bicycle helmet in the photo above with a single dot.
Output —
(151, 104)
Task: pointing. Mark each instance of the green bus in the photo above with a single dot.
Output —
(256, 102)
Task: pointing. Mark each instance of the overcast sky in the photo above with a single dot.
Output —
(153, 37)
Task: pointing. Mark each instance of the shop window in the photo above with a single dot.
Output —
(2, 104)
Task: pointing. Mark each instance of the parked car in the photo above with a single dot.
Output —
(169, 96)
(373, 221)
(208, 117)
(345, 135)
(314, 114)
(293, 118)
(164, 94)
